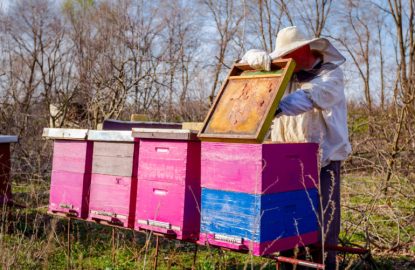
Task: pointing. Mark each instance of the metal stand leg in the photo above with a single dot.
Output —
(69, 244)
(294, 261)
(195, 257)
(157, 253)
(113, 246)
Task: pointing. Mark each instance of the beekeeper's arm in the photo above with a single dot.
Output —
(257, 59)
(325, 91)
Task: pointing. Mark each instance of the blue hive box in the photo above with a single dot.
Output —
(261, 223)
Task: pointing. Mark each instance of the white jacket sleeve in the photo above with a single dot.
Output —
(327, 90)
(323, 92)
(257, 59)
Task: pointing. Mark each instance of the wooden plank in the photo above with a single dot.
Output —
(244, 108)
(139, 117)
(254, 77)
(113, 158)
(192, 125)
(118, 166)
(65, 133)
(274, 64)
(114, 149)
(171, 134)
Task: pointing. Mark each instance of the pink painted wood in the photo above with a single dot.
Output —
(71, 177)
(168, 195)
(265, 248)
(112, 199)
(113, 195)
(168, 208)
(173, 161)
(69, 193)
(259, 168)
(72, 156)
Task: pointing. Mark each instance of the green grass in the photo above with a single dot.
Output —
(359, 124)
(389, 218)
(36, 240)
(32, 239)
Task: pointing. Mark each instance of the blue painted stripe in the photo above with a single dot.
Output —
(259, 218)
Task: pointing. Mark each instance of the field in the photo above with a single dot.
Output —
(32, 239)
(77, 63)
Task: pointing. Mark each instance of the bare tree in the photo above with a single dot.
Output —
(313, 14)
(265, 19)
(357, 41)
(227, 21)
(404, 23)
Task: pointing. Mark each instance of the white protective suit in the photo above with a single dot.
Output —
(313, 110)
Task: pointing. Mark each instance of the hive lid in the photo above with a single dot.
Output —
(170, 134)
(8, 139)
(110, 135)
(65, 133)
(110, 124)
(246, 104)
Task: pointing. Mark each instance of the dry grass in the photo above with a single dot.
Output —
(31, 239)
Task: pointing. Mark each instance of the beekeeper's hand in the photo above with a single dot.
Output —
(257, 59)
(295, 103)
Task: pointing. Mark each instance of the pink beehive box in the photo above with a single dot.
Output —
(71, 171)
(113, 181)
(259, 168)
(5, 164)
(168, 194)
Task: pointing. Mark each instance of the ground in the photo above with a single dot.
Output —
(32, 239)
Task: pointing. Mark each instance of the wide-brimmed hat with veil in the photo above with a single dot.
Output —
(291, 38)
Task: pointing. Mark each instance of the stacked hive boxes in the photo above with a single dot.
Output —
(114, 178)
(71, 171)
(168, 193)
(5, 185)
(259, 197)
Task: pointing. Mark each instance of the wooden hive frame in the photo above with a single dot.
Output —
(262, 126)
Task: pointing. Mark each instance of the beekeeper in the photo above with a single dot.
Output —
(313, 110)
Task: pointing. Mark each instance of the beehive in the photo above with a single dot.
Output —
(114, 179)
(168, 174)
(5, 185)
(259, 197)
(71, 171)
